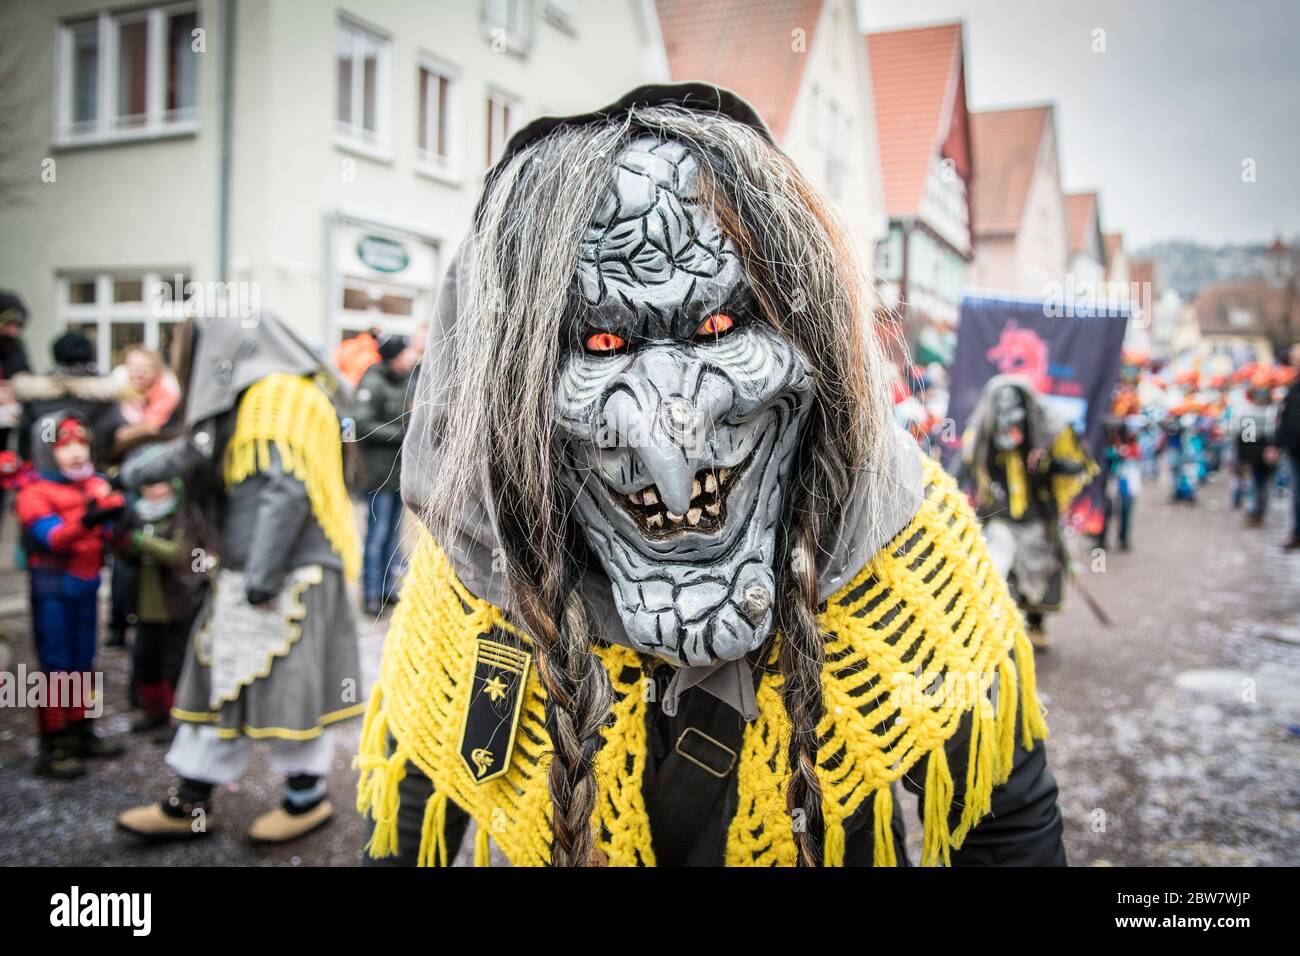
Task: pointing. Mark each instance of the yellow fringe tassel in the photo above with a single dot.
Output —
(833, 848)
(1006, 721)
(433, 833)
(936, 839)
(883, 837)
(979, 771)
(482, 847)
(380, 775)
(295, 416)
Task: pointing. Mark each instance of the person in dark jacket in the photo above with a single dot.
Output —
(1257, 445)
(1288, 439)
(73, 385)
(13, 359)
(381, 418)
(167, 597)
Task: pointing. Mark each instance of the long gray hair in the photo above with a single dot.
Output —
(497, 433)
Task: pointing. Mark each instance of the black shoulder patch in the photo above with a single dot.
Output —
(498, 675)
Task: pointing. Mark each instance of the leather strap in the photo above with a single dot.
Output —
(693, 777)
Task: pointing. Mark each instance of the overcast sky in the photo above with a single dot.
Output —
(1161, 122)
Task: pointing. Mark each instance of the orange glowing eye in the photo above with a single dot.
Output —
(715, 325)
(605, 342)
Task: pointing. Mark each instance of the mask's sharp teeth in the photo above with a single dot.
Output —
(635, 498)
(675, 519)
(695, 488)
(710, 483)
(724, 474)
(655, 521)
(649, 497)
(693, 516)
(713, 508)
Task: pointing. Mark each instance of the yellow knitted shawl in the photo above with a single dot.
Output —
(295, 415)
(928, 604)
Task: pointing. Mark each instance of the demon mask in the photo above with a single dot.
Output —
(1009, 418)
(679, 412)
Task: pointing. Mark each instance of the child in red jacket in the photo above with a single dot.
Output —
(65, 510)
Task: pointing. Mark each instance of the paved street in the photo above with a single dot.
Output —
(1174, 733)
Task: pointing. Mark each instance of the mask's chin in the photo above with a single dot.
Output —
(699, 587)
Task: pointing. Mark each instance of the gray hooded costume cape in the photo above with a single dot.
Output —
(688, 820)
(290, 666)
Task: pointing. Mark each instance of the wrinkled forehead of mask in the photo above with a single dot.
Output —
(678, 411)
(1009, 402)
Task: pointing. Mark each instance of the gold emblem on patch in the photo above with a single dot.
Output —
(495, 688)
(493, 703)
(482, 758)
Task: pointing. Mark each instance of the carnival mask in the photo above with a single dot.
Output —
(1009, 419)
(679, 411)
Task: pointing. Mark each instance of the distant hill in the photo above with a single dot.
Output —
(1187, 267)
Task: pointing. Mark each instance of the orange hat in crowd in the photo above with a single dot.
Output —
(1245, 373)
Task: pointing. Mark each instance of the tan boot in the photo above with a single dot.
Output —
(281, 826)
(151, 823)
(1038, 638)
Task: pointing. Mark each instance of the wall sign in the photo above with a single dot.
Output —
(382, 255)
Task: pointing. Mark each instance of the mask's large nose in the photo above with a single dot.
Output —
(662, 409)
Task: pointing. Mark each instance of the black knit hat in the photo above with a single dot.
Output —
(391, 346)
(73, 348)
(12, 307)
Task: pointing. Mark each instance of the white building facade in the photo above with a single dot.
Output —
(316, 160)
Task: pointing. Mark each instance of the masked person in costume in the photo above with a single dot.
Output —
(274, 653)
(1025, 466)
(684, 594)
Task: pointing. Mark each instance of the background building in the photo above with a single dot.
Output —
(918, 78)
(1086, 245)
(804, 67)
(321, 159)
(1017, 207)
(1248, 320)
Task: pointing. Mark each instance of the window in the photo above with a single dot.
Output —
(838, 136)
(381, 301)
(437, 122)
(561, 13)
(362, 88)
(814, 112)
(509, 24)
(119, 311)
(128, 75)
(502, 120)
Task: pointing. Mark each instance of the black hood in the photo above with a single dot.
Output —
(702, 97)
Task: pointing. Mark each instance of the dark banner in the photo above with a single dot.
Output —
(1070, 355)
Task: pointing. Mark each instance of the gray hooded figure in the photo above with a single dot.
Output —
(274, 653)
(641, 427)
